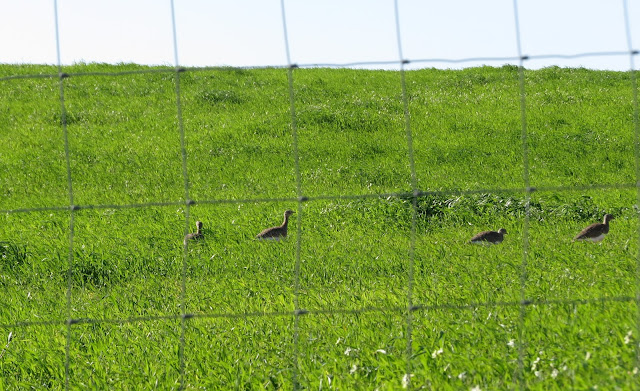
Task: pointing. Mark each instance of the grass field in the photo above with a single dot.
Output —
(356, 259)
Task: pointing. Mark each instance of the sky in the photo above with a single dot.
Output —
(320, 32)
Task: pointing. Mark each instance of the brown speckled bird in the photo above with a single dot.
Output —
(196, 235)
(279, 232)
(596, 231)
(491, 237)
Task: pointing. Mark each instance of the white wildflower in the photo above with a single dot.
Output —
(339, 340)
(627, 338)
(535, 364)
(436, 353)
(381, 351)
(406, 379)
(462, 375)
(348, 351)
(354, 368)
(476, 388)
(537, 373)
(511, 343)
(554, 373)
(587, 356)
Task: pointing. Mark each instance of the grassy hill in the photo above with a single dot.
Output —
(356, 259)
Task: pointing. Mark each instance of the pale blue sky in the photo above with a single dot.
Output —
(250, 32)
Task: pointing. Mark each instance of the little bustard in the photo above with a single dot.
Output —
(492, 237)
(596, 231)
(279, 232)
(196, 235)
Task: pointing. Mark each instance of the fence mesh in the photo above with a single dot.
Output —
(301, 198)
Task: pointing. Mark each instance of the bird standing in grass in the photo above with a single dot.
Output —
(491, 237)
(596, 231)
(279, 232)
(196, 235)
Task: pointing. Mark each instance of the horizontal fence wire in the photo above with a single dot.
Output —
(301, 198)
(172, 70)
(328, 197)
(452, 307)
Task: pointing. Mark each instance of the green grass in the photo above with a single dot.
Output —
(354, 270)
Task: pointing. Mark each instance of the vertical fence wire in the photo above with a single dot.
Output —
(67, 155)
(187, 209)
(414, 199)
(636, 132)
(525, 178)
(296, 156)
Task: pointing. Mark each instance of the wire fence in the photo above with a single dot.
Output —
(302, 198)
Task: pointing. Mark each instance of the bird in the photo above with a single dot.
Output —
(279, 232)
(492, 237)
(596, 231)
(196, 235)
